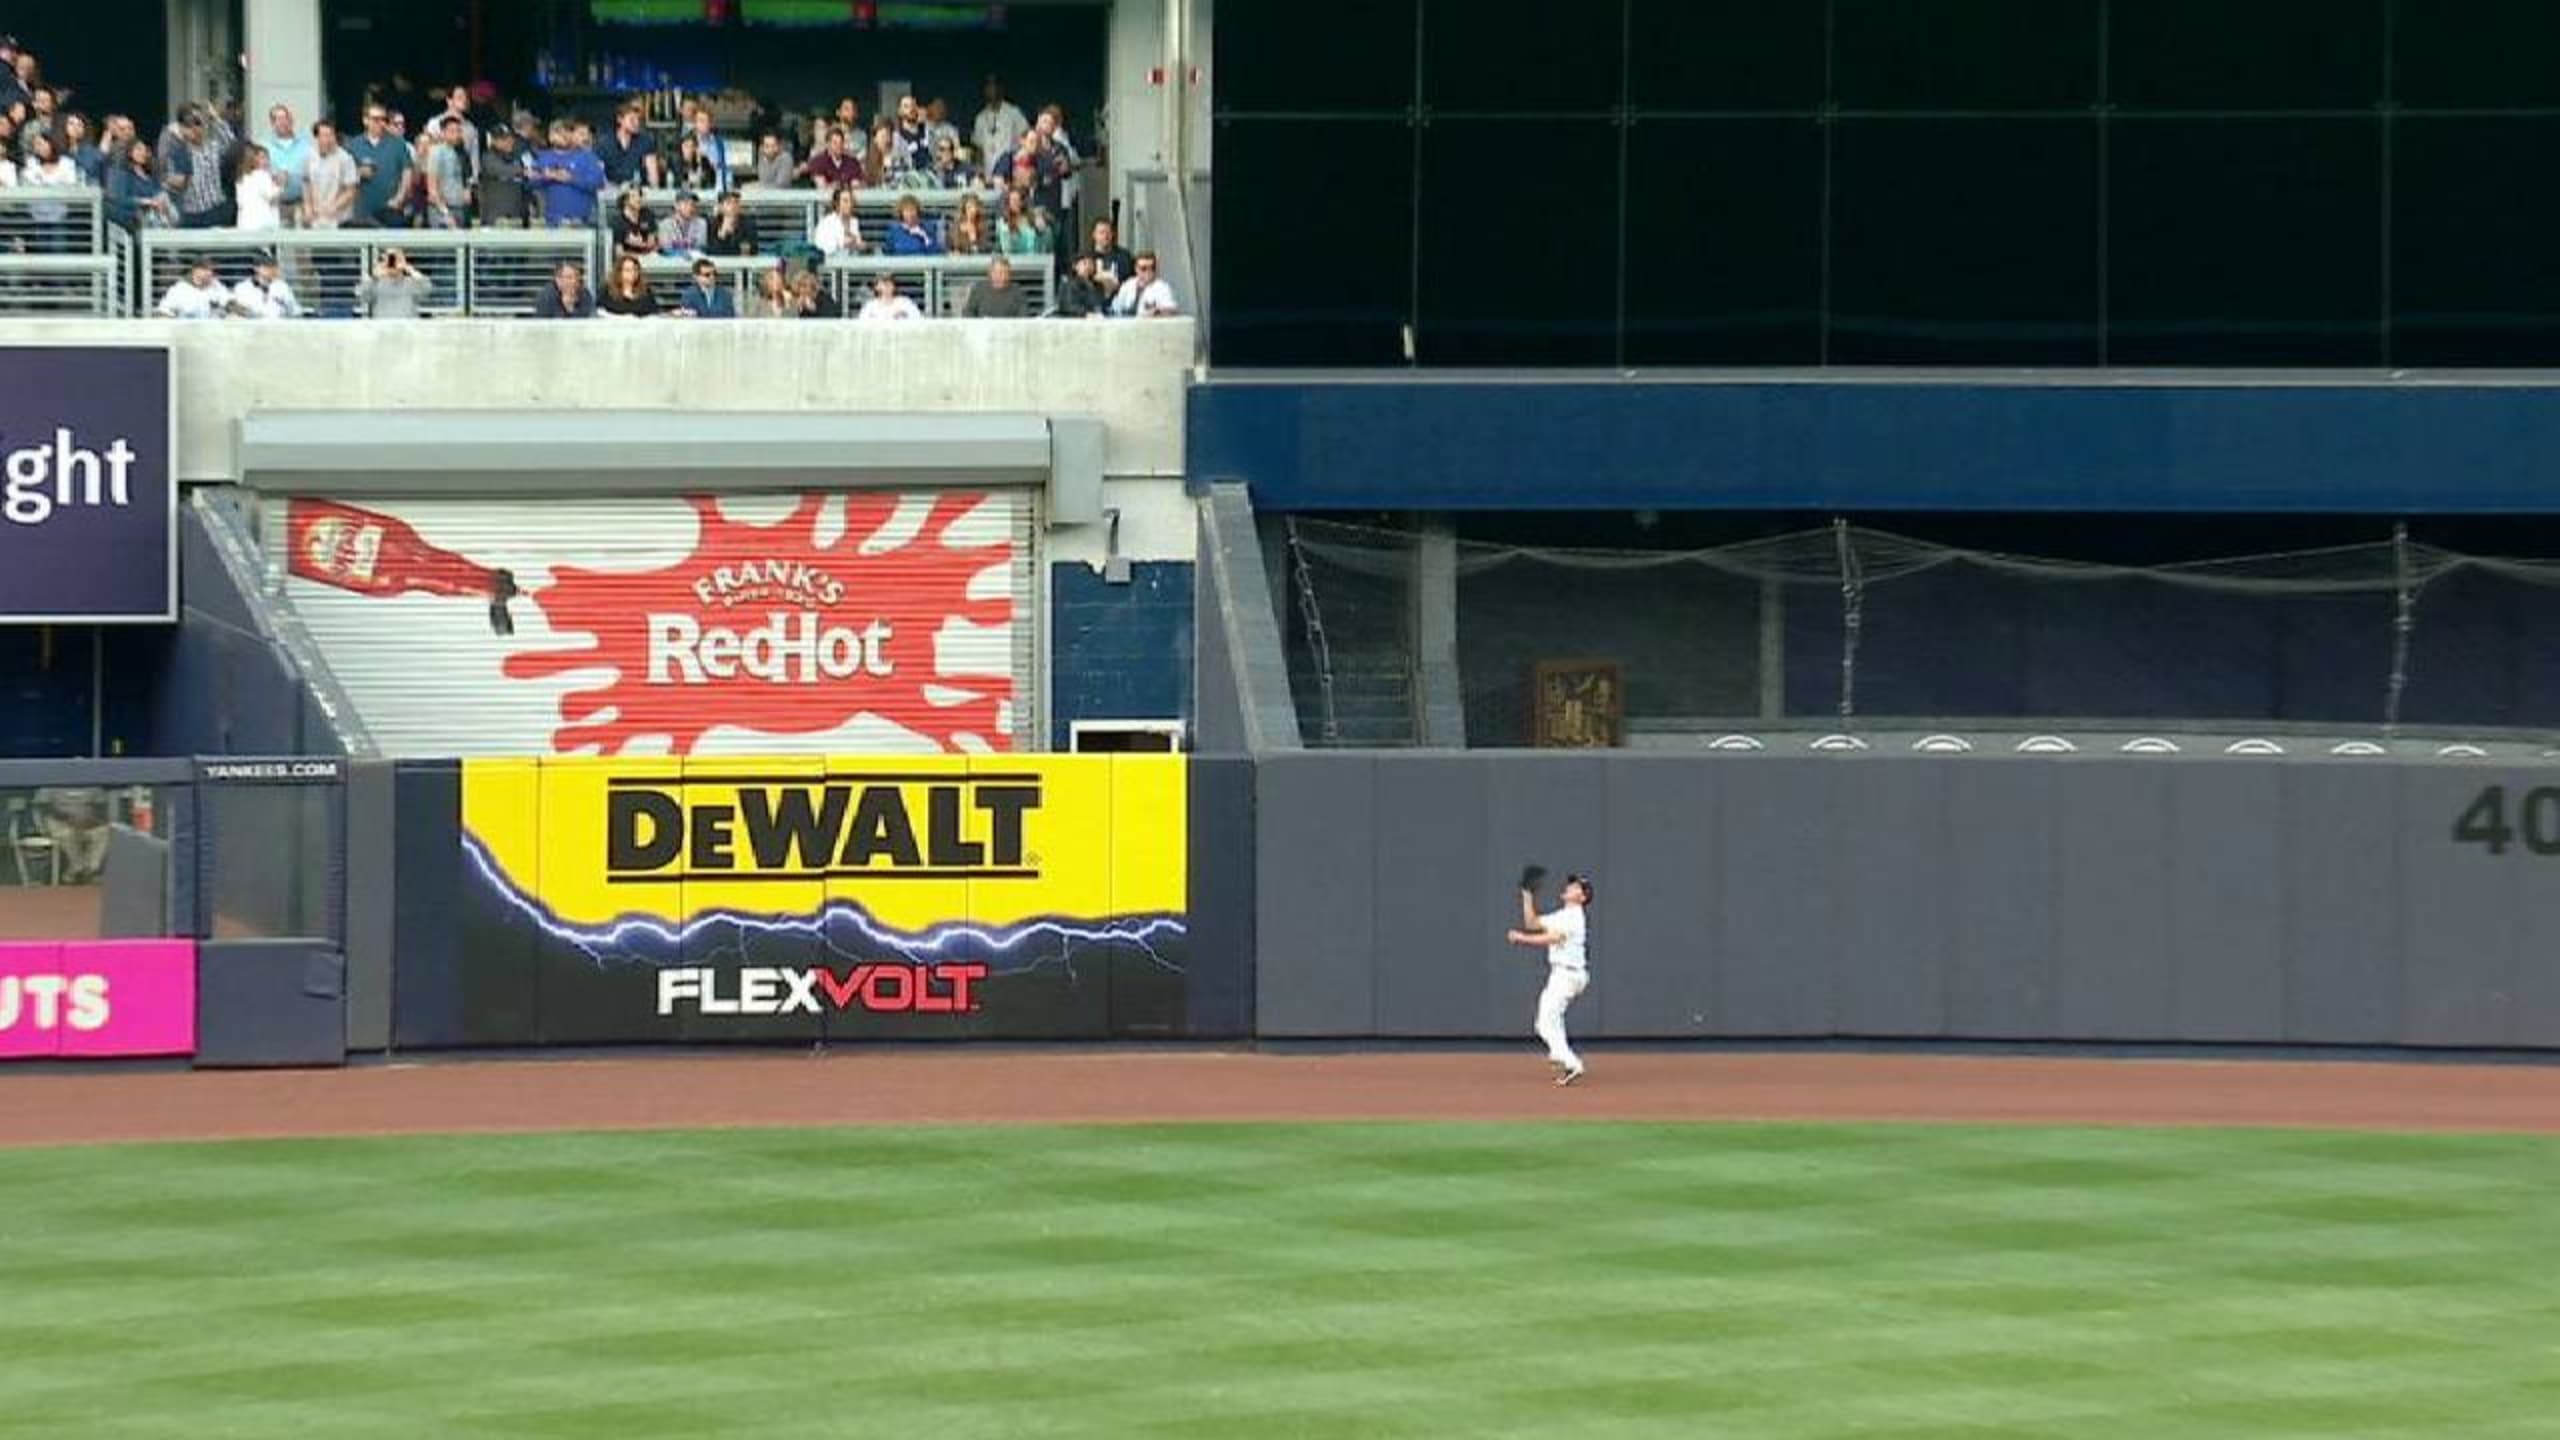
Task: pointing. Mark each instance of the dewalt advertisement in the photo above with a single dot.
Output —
(796, 897)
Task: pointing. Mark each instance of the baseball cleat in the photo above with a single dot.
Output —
(1570, 1073)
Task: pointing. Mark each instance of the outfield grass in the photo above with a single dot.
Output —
(1314, 1280)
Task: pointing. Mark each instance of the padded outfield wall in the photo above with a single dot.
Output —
(2234, 899)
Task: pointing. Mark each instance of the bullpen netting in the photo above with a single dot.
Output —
(1846, 623)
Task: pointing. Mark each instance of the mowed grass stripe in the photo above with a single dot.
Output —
(1243, 1281)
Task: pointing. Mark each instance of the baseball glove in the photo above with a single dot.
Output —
(1532, 876)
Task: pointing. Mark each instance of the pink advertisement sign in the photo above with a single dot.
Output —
(85, 999)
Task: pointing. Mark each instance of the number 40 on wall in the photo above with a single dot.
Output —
(2484, 821)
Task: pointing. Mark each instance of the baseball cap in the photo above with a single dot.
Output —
(1589, 892)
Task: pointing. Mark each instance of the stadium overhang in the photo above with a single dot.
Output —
(480, 453)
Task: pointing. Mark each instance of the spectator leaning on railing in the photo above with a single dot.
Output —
(1145, 293)
(704, 297)
(567, 296)
(265, 295)
(886, 303)
(996, 297)
(628, 294)
(196, 295)
(395, 291)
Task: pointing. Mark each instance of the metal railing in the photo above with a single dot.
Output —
(473, 272)
(938, 284)
(55, 258)
(782, 217)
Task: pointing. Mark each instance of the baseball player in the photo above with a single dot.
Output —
(1560, 933)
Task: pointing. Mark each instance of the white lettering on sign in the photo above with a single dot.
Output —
(35, 480)
(787, 649)
(54, 1002)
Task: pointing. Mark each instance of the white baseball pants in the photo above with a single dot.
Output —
(1563, 984)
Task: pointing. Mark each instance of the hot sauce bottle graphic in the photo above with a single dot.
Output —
(379, 555)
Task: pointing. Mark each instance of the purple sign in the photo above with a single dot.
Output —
(88, 484)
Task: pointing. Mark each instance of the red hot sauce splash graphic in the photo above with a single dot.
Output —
(761, 628)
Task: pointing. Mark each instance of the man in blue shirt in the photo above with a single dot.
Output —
(384, 171)
(705, 298)
(568, 175)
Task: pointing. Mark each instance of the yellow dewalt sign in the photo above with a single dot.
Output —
(915, 842)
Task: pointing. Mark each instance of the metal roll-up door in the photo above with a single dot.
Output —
(812, 622)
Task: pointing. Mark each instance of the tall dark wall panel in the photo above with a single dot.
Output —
(2341, 887)
(1440, 939)
(2226, 939)
(1670, 866)
(2002, 895)
(1315, 900)
(2460, 906)
(1891, 973)
(1777, 923)
(2112, 925)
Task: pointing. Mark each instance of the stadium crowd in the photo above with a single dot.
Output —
(462, 158)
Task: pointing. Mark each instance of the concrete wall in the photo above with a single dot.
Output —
(2088, 898)
(1130, 376)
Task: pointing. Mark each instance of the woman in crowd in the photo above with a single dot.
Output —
(771, 298)
(839, 231)
(81, 148)
(886, 303)
(1021, 230)
(810, 300)
(46, 165)
(135, 196)
(628, 293)
(635, 230)
(257, 189)
(693, 169)
(883, 165)
(969, 234)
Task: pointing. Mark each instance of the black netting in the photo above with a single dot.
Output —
(1847, 622)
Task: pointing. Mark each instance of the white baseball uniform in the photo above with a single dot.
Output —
(1568, 971)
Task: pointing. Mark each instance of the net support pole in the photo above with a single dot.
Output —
(2404, 623)
(1853, 600)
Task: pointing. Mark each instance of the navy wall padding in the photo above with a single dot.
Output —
(2367, 445)
(269, 1003)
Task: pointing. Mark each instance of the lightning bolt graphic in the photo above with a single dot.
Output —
(1022, 942)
